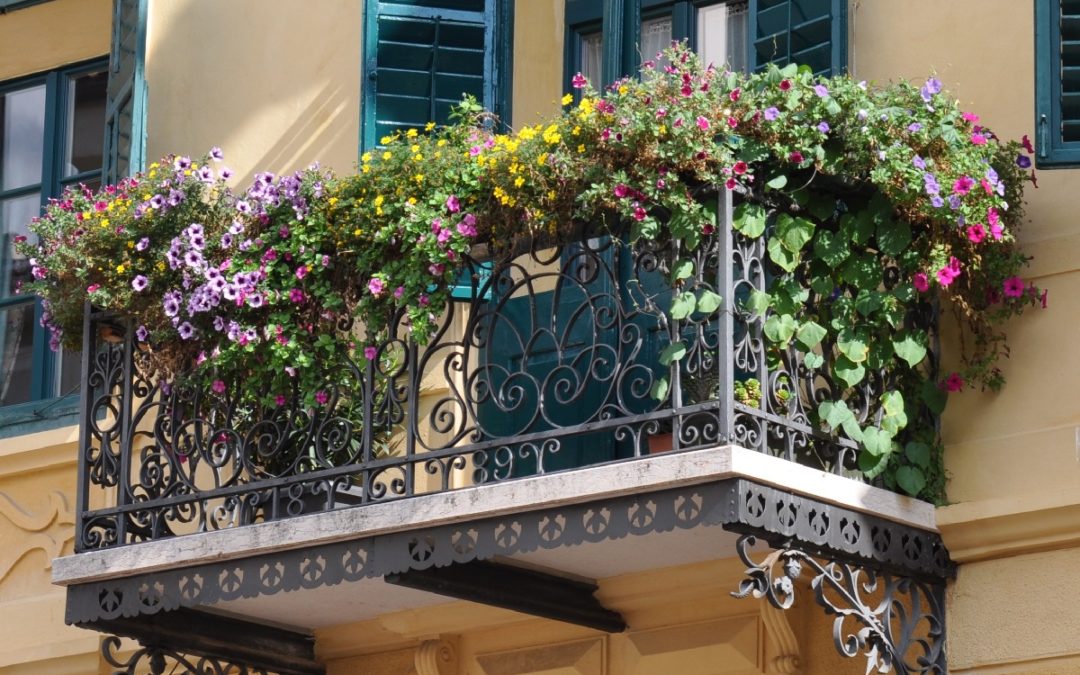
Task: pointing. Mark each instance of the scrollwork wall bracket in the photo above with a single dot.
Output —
(897, 623)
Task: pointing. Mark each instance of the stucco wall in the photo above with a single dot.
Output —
(43, 37)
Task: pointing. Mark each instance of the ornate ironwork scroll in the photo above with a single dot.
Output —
(896, 622)
(160, 660)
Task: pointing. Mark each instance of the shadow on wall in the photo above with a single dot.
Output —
(276, 85)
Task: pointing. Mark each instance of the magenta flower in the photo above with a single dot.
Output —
(370, 353)
(978, 139)
(976, 233)
(279, 400)
(921, 282)
(321, 397)
(739, 168)
(376, 286)
(1014, 287)
(970, 117)
(963, 185)
(639, 214)
(398, 292)
(92, 287)
(795, 157)
(296, 296)
(785, 85)
(467, 227)
(621, 191)
(954, 382)
(1026, 142)
(735, 94)
(702, 123)
(579, 81)
(301, 271)
(946, 275)
(452, 204)
(686, 90)
(218, 386)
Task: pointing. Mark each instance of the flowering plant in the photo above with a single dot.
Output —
(874, 200)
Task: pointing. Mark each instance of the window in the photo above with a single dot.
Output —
(742, 34)
(51, 132)
(1057, 83)
(422, 56)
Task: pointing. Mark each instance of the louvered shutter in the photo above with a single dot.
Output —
(423, 56)
(810, 32)
(1057, 82)
(125, 107)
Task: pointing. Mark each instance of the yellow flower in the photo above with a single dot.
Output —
(120, 269)
(357, 232)
(418, 157)
(411, 133)
(412, 201)
(386, 140)
(131, 244)
(366, 157)
(386, 155)
(623, 89)
(414, 147)
(419, 178)
(586, 106)
(429, 126)
(154, 165)
(581, 148)
(161, 266)
(542, 159)
(104, 222)
(576, 131)
(333, 200)
(379, 200)
(378, 210)
(519, 181)
(187, 172)
(567, 99)
(365, 169)
(441, 142)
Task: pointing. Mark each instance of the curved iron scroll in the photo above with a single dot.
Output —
(159, 660)
(899, 621)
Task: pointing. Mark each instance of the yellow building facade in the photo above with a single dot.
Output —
(280, 85)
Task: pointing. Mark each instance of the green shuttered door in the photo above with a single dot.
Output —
(810, 32)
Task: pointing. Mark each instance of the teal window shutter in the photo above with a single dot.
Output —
(422, 56)
(125, 107)
(806, 32)
(1057, 83)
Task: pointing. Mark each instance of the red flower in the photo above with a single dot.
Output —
(785, 85)
(739, 168)
(796, 157)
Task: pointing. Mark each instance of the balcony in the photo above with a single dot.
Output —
(548, 429)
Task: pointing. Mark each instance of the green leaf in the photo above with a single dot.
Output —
(777, 182)
(750, 219)
(918, 453)
(779, 328)
(659, 389)
(863, 271)
(673, 352)
(858, 226)
(821, 206)
(853, 344)
(708, 302)
(813, 360)
(834, 413)
(877, 442)
(822, 285)
(910, 348)
(871, 465)
(794, 232)
(810, 335)
(893, 403)
(758, 302)
(789, 71)
(848, 371)
(789, 296)
(830, 248)
(893, 237)
(867, 302)
(852, 429)
(784, 258)
(934, 397)
(683, 269)
(911, 479)
(682, 305)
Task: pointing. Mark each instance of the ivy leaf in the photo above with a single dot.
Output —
(857, 226)
(813, 360)
(934, 397)
(749, 219)
(779, 328)
(682, 305)
(822, 207)
(790, 70)
(673, 352)
(893, 237)
(822, 285)
(910, 348)
(789, 296)
(911, 479)
(777, 182)
(834, 413)
(877, 442)
(683, 269)
(784, 258)
(758, 302)
(794, 232)
(708, 303)
(659, 389)
(867, 302)
(810, 335)
(848, 371)
(918, 453)
(831, 249)
(853, 345)
(893, 403)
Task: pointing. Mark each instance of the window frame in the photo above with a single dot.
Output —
(1051, 150)
(498, 56)
(45, 399)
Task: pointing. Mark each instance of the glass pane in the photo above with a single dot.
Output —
(15, 215)
(16, 353)
(86, 123)
(722, 35)
(592, 58)
(22, 137)
(69, 372)
(655, 38)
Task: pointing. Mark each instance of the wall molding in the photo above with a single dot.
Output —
(48, 530)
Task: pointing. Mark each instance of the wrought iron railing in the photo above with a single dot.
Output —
(547, 359)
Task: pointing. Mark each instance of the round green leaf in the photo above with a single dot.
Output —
(910, 348)
(780, 328)
(708, 302)
(673, 352)
(749, 219)
(849, 372)
(682, 305)
(911, 479)
(810, 335)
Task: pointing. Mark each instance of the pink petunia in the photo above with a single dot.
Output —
(954, 382)
(279, 400)
(921, 282)
(976, 233)
(218, 386)
(795, 157)
(970, 117)
(579, 81)
(452, 204)
(376, 286)
(702, 123)
(1014, 287)
(963, 185)
(978, 139)
(739, 168)
(946, 275)
(321, 397)
(370, 353)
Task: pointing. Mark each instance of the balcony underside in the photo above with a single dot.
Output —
(315, 571)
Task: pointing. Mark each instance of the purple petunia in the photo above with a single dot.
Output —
(186, 331)
(139, 283)
(772, 113)
(141, 334)
(216, 154)
(932, 86)
(821, 90)
(1023, 161)
(143, 244)
(919, 162)
(823, 127)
